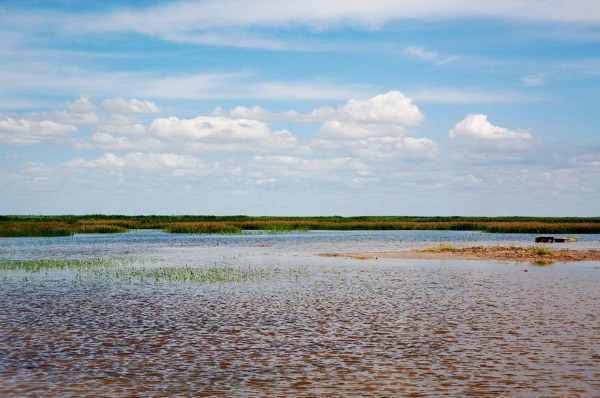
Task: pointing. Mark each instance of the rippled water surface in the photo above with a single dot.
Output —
(346, 328)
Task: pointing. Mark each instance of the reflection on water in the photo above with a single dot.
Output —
(368, 328)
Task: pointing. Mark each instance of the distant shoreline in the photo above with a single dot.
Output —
(539, 254)
(66, 225)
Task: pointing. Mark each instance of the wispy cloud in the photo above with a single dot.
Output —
(225, 22)
(429, 56)
(474, 96)
(533, 80)
(24, 79)
(209, 14)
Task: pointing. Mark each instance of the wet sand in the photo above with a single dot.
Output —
(500, 253)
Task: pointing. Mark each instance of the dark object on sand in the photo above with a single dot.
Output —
(552, 239)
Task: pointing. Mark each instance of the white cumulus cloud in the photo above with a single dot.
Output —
(478, 130)
(392, 107)
(154, 162)
(139, 160)
(402, 148)
(108, 141)
(79, 112)
(28, 132)
(221, 133)
(121, 124)
(369, 128)
(336, 130)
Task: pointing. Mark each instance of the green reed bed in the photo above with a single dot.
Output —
(215, 274)
(19, 226)
(33, 266)
(34, 228)
(203, 228)
(119, 270)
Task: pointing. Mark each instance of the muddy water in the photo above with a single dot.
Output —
(353, 328)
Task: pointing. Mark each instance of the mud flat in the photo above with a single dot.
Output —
(500, 253)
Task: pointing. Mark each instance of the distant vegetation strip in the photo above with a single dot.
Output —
(23, 226)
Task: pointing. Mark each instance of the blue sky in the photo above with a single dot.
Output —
(300, 108)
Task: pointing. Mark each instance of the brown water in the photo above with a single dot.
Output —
(353, 328)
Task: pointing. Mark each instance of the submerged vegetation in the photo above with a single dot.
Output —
(211, 274)
(121, 269)
(70, 264)
(15, 226)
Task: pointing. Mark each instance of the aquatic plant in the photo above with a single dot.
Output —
(213, 274)
(112, 269)
(442, 247)
(52, 264)
(541, 251)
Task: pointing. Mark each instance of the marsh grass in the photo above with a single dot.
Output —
(118, 270)
(67, 225)
(217, 274)
(212, 274)
(34, 228)
(203, 228)
(100, 229)
(442, 247)
(541, 251)
(33, 266)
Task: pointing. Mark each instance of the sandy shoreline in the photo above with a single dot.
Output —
(500, 253)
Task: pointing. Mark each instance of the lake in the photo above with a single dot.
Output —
(305, 326)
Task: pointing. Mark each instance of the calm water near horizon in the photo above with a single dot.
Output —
(342, 328)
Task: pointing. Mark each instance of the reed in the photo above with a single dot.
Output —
(117, 270)
(442, 247)
(213, 274)
(34, 228)
(67, 225)
(203, 228)
(34, 266)
(541, 251)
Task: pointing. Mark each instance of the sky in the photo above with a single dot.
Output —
(329, 107)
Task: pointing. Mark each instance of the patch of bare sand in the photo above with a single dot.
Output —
(500, 253)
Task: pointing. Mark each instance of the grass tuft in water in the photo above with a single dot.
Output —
(212, 274)
(541, 251)
(189, 274)
(71, 264)
(442, 247)
(111, 270)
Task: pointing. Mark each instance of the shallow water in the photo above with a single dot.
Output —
(353, 328)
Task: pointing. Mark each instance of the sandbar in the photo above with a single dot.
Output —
(500, 253)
